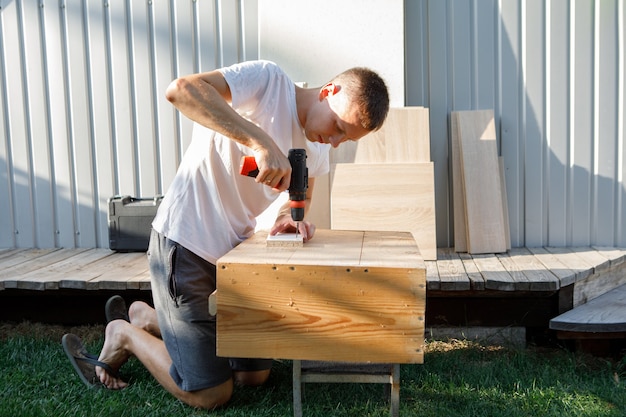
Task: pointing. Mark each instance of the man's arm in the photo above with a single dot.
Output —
(284, 222)
(205, 98)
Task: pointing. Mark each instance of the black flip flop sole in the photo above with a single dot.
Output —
(83, 362)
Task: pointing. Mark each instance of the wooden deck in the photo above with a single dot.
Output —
(520, 270)
(591, 270)
(79, 269)
(524, 287)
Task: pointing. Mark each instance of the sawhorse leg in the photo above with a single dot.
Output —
(326, 374)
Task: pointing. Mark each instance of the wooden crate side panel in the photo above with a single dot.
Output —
(320, 313)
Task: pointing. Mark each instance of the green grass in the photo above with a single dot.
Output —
(457, 379)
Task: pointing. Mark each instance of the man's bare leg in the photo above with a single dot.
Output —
(251, 378)
(145, 317)
(123, 340)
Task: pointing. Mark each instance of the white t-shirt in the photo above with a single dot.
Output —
(210, 208)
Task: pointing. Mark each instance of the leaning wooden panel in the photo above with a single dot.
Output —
(458, 190)
(404, 137)
(332, 299)
(397, 197)
(481, 179)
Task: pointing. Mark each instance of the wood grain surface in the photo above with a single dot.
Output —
(353, 296)
(395, 197)
(484, 212)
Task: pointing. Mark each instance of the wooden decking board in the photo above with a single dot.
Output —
(607, 313)
(539, 277)
(521, 280)
(59, 271)
(616, 256)
(432, 276)
(521, 269)
(581, 267)
(82, 268)
(109, 272)
(6, 253)
(594, 258)
(565, 275)
(496, 276)
(17, 258)
(473, 273)
(452, 275)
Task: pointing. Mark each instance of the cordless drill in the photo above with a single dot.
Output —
(299, 180)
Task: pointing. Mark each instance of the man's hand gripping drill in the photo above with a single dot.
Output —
(298, 185)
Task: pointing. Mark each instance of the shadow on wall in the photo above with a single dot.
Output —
(561, 153)
(39, 214)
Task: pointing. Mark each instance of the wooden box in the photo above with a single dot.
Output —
(344, 296)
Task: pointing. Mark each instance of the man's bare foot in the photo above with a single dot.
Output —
(113, 353)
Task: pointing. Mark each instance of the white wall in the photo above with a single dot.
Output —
(316, 40)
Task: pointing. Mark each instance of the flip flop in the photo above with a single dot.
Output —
(84, 363)
(115, 309)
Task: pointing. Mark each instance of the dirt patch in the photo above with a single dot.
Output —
(49, 331)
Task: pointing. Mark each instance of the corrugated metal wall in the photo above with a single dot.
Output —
(83, 114)
(553, 71)
(84, 118)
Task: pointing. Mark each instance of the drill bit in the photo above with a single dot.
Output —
(297, 228)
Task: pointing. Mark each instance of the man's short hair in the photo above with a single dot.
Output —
(369, 92)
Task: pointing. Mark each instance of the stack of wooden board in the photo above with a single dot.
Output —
(384, 181)
(479, 195)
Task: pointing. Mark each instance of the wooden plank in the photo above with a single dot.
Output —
(607, 313)
(616, 256)
(481, 181)
(581, 267)
(49, 276)
(20, 262)
(347, 310)
(8, 253)
(565, 275)
(495, 274)
(382, 248)
(505, 204)
(338, 249)
(593, 258)
(452, 274)
(404, 138)
(407, 137)
(473, 273)
(268, 255)
(396, 197)
(432, 276)
(539, 277)
(117, 273)
(521, 281)
(19, 257)
(598, 284)
(458, 191)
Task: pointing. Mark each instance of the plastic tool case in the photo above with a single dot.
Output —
(130, 222)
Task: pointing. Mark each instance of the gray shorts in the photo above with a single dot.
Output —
(181, 284)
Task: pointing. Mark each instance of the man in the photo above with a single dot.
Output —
(246, 109)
